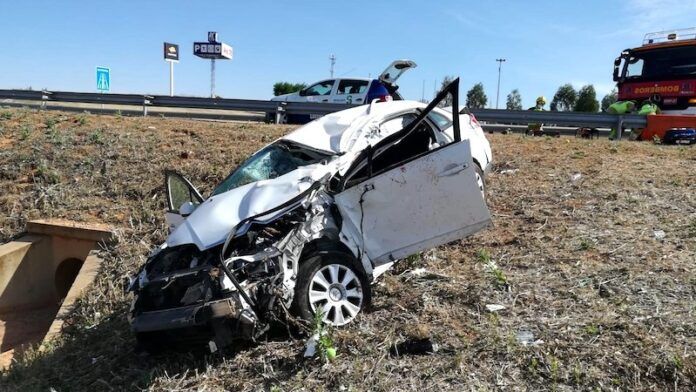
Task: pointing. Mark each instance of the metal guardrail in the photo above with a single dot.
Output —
(578, 119)
(280, 109)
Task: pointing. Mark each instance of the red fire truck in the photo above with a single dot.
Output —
(663, 70)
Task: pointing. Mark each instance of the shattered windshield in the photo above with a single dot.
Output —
(271, 162)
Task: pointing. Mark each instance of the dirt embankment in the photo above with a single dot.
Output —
(592, 255)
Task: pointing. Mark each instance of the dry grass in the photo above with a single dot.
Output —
(574, 261)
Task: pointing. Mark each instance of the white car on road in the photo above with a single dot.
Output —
(309, 221)
(355, 91)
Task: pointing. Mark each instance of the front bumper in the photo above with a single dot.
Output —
(226, 319)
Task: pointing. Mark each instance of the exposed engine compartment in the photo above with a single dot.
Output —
(233, 290)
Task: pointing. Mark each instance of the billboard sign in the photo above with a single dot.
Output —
(212, 50)
(226, 51)
(103, 79)
(171, 52)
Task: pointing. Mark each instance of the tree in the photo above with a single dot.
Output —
(476, 97)
(514, 100)
(609, 99)
(564, 99)
(281, 88)
(448, 99)
(587, 100)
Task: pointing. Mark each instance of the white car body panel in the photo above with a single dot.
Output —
(173, 219)
(348, 94)
(480, 147)
(213, 219)
(445, 204)
(343, 134)
(353, 129)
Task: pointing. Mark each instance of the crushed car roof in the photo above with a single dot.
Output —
(340, 132)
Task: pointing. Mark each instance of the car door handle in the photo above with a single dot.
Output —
(453, 169)
(325, 100)
(358, 100)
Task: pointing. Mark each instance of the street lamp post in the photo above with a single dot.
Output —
(500, 65)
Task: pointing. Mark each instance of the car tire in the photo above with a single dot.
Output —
(481, 181)
(336, 284)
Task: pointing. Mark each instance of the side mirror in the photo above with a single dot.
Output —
(302, 92)
(186, 209)
(617, 63)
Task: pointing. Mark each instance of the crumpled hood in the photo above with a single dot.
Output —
(213, 219)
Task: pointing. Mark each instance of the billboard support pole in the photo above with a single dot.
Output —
(171, 78)
(213, 50)
(171, 55)
(212, 78)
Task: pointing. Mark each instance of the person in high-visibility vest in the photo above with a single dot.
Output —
(536, 127)
(619, 107)
(649, 108)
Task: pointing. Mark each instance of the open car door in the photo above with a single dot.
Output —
(423, 201)
(182, 198)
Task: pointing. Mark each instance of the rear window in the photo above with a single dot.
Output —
(348, 86)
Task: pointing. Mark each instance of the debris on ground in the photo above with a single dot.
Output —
(659, 235)
(423, 346)
(525, 337)
(311, 347)
(423, 273)
(495, 308)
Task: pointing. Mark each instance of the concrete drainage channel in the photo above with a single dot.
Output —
(42, 274)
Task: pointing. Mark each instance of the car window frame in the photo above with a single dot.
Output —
(338, 87)
(368, 154)
(329, 93)
(194, 194)
(364, 162)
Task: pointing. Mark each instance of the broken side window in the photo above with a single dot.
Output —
(180, 191)
(415, 143)
(415, 139)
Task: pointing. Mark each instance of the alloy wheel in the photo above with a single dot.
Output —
(336, 290)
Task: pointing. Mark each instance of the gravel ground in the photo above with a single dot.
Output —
(591, 256)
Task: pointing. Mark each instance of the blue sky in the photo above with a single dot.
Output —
(57, 45)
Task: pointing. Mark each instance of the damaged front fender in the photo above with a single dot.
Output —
(235, 289)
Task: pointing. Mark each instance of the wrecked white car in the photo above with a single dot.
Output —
(309, 221)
